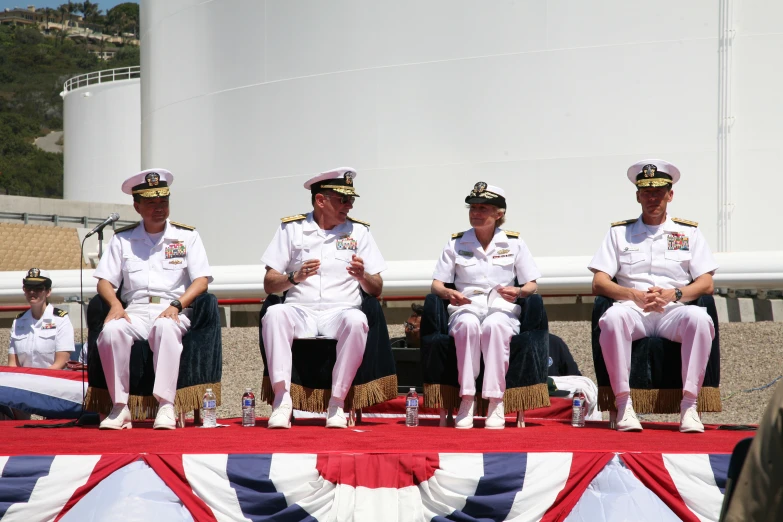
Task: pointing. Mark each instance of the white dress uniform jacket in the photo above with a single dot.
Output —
(35, 341)
(477, 273)
(669, 256)
(163, 270)
(332, 287)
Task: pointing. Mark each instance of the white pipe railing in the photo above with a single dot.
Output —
(110, 75)
(561, 276)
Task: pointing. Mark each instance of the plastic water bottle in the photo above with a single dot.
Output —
(209, 415)
(412, 408)
(578, 410)
(248, 408)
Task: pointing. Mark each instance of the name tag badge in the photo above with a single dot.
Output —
(498, 256)
(175, 262)
(176, 250)
(466, 253)
(631, 249)
(677, 241)
(346, 243)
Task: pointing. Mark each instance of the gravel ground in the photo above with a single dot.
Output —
(751, 355)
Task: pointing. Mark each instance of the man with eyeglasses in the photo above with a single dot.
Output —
(323, 261)
(412, 326)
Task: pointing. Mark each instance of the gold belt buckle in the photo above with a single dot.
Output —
(155, 300)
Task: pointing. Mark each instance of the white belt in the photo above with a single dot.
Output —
(151, 300)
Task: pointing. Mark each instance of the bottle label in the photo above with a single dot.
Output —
(209, 404)
(247, 403)
(577, 403)
(412, 402)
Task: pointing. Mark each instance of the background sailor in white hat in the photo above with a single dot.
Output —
(483, 262)
(660, 263)
(162, 267)
(41, 337)
(322, 259)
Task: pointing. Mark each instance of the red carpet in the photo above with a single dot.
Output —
(371, 436)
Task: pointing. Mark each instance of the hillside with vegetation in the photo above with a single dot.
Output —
(33, 68)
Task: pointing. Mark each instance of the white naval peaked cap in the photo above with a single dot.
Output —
(37, 277)
(487, 194)
(653, 173)
(150, 183)
(340, 180)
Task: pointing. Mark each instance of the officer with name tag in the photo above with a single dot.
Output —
(41, 337)
(162, 267)
(323, 260)
(483, 262)
(660, 263)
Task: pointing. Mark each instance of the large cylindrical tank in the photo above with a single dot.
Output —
(552, 101)
(102, 120)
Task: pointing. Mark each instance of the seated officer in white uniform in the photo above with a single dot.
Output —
(41, 337)
(162, 267)
(660, 263)
(322, 260)
(483, 315)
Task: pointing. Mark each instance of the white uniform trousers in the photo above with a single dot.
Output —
(165, 338)
(283, 323)
(689, 325)
(477, 334)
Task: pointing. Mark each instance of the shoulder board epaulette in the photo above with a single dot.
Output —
(182, 225)
(511, 233)
(59, 312)
(366, 224)
(686, 222)
(298, 217)
(457, 235)
(128, 227)
(21, 314)
(625, 222)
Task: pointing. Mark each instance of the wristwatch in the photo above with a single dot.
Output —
(291, 278)
(176, 304)
(677, 294)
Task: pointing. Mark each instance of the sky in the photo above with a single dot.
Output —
(102, 4)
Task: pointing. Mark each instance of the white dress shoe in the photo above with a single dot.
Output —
(496, 418)
(629, 422)
(335, 417)
(464, 420)
(281, 417)
(118, 419)
(690, 421)
(166, 419)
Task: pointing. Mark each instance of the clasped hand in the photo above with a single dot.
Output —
(654, 300)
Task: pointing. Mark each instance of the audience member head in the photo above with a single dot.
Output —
(412, 326)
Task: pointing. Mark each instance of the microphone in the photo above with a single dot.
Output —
(108, 221)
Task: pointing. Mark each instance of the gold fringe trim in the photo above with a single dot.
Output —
(516, 399)
(661, 401)
(146, 406)
(441, 396)
(317, 400)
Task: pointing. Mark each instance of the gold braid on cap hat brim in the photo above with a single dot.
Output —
(486, 194)
(653, 182)
(152, 192)
(342, 189)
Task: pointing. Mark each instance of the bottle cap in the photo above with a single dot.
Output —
(209, 389)
(412, 389)
(248, 389)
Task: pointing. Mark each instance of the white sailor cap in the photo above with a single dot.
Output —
(340, 180)
(150, 183)
(487, 195)
(653, 173)
(37, 278)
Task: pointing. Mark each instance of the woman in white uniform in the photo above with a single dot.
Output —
(483, 263)
(41, 337)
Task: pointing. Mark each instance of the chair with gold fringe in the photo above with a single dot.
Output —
(200, 365)
(656, 377)
(313, 360)
(526, 378)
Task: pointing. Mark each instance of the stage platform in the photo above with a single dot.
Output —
(376, 471)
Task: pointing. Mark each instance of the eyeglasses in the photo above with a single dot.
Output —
(409, 327)
(343, 199)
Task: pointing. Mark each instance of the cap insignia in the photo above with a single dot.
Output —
(649, 170)
(152, 179)
(478, 188)
(34, 272)
(349, 175)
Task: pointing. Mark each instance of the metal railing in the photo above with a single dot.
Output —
(57, 219)
(83, 80)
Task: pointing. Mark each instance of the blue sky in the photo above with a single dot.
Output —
(102, 4)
